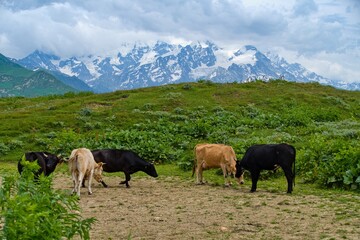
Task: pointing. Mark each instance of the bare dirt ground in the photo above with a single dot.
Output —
(170, 208)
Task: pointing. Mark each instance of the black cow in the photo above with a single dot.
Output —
(268, 157)
(125, 161)
(47, 162)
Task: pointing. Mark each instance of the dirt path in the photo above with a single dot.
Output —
(168, 208)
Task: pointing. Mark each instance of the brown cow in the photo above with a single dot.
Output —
(83, 166)
(215, 156)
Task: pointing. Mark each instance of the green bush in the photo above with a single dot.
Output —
(3, 148)
(330, 162)
(85, 112)
(33, 210)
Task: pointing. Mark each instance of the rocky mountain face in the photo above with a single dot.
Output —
(163, 63)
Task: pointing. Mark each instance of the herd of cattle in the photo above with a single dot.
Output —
(86, 165)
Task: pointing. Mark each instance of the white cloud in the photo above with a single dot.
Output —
(315, 33)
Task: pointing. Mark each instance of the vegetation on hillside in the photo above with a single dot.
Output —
(163, 124)
(16, 80)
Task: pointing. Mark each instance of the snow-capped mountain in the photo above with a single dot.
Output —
(163, 63)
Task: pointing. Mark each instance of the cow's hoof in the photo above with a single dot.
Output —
(89, 193)
(252, 190)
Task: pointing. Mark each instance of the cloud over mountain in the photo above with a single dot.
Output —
(314, 33)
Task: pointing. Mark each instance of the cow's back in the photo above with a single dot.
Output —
(212, 155)
(264, 156)
(114, 159)
(287, 153)
(81, 160)
(251, 156)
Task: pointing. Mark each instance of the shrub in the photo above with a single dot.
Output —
(85, 112)
(330, 162)
(33, 210)
(3, 148)
(187, 87)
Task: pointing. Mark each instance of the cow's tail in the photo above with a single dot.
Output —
(294, 166)
(73, 160)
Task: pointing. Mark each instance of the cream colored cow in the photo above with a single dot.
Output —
(83, 166)
(214, 156)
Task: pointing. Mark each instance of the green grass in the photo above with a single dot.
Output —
(36, 114)
(345, 204)
(164, 123)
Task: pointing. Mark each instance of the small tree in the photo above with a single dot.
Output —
(32, 209)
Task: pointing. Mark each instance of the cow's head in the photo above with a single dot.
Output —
(51, 161)
(150, 169)
(239, 172)
(98, 172)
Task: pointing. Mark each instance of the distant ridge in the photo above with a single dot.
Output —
(162, 63)
(16, 80)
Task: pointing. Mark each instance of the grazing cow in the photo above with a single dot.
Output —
(268, 157)
(83, 166)
(45, 160)
(214, 156)
(125, 161)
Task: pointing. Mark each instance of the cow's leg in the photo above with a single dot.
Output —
(289, 178)
(197, 174)
(127, 179)
(90, 179)
(254, 178)
(78, 183)
(74, 182)
(226, 179)
(104, 184)
(200, 175)
(83, 183)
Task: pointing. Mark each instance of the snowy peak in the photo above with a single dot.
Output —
(142, 65)
(39, 59)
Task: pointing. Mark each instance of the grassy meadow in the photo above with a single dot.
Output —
(163, 124)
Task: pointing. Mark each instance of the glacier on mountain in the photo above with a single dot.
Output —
(142, 65)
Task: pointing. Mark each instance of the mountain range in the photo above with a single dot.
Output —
(142, 65)
(16, 80)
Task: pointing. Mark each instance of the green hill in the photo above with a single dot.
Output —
(18, 81)
(163, 124)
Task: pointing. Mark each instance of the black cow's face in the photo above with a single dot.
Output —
(150, 169)
(239, 171)
(51, 162)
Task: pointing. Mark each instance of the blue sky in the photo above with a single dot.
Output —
(322, 35)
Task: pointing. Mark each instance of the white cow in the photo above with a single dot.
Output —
(83, 166)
